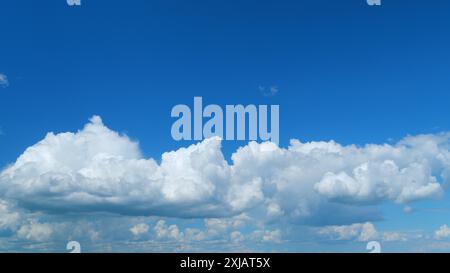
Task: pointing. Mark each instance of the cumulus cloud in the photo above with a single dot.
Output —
(361, 232)
(3, 80)
(394, 236)
(442, 232)
(9, 218)
(139, 229)
(380, 180)
(99, 170)
(164, 232)
(267, 236)
(218, 228)
(236, 237)
(35, 231)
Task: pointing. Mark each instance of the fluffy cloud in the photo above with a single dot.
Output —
(373, 181)
(442, 232)
(9, 218)
(139, 229)
(164, 232)
(35, 231)
(394, 236)
(3, 81)
(267, 236)
(361, 232)
(99, 170)
(236, 237)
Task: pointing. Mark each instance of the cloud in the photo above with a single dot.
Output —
(99, 170)
(380, 180)
(164, 232)
(139, 229)
(9, 218)
(269, 91)
(236, 237)
(35, 231)
(3, 81)
(361, 232)
(442, 232)
(408, 209)
(394, 236)
(267, 236)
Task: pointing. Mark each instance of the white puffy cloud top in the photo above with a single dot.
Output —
(97, 169)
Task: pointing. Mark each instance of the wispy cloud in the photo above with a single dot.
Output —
(269, 91)
(3, 80)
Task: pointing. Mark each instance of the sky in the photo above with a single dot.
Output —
(86, 151)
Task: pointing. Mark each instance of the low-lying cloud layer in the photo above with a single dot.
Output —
(97, 170)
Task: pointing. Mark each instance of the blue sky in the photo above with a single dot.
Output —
(345, 71)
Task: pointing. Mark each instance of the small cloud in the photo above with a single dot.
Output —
(139, 229)
(164, 232)
(3, 81)
(360, 232)
(394, 236)
(267, 236)
(269, 91)
(408, 209)
(442, 232)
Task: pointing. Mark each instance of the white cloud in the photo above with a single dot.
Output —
(9, 219)
(380, 180)
(267, 236)
(97, 170)
(35, 231)
(219, 227)
(361, 232)
(408, 209)
(3, 80)
(139, 229)
(236, 237)
(442, 232)
(394, 236)
(164, 232)
(269, 91)
(273, 209)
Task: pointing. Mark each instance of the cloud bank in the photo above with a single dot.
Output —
(97, 169)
